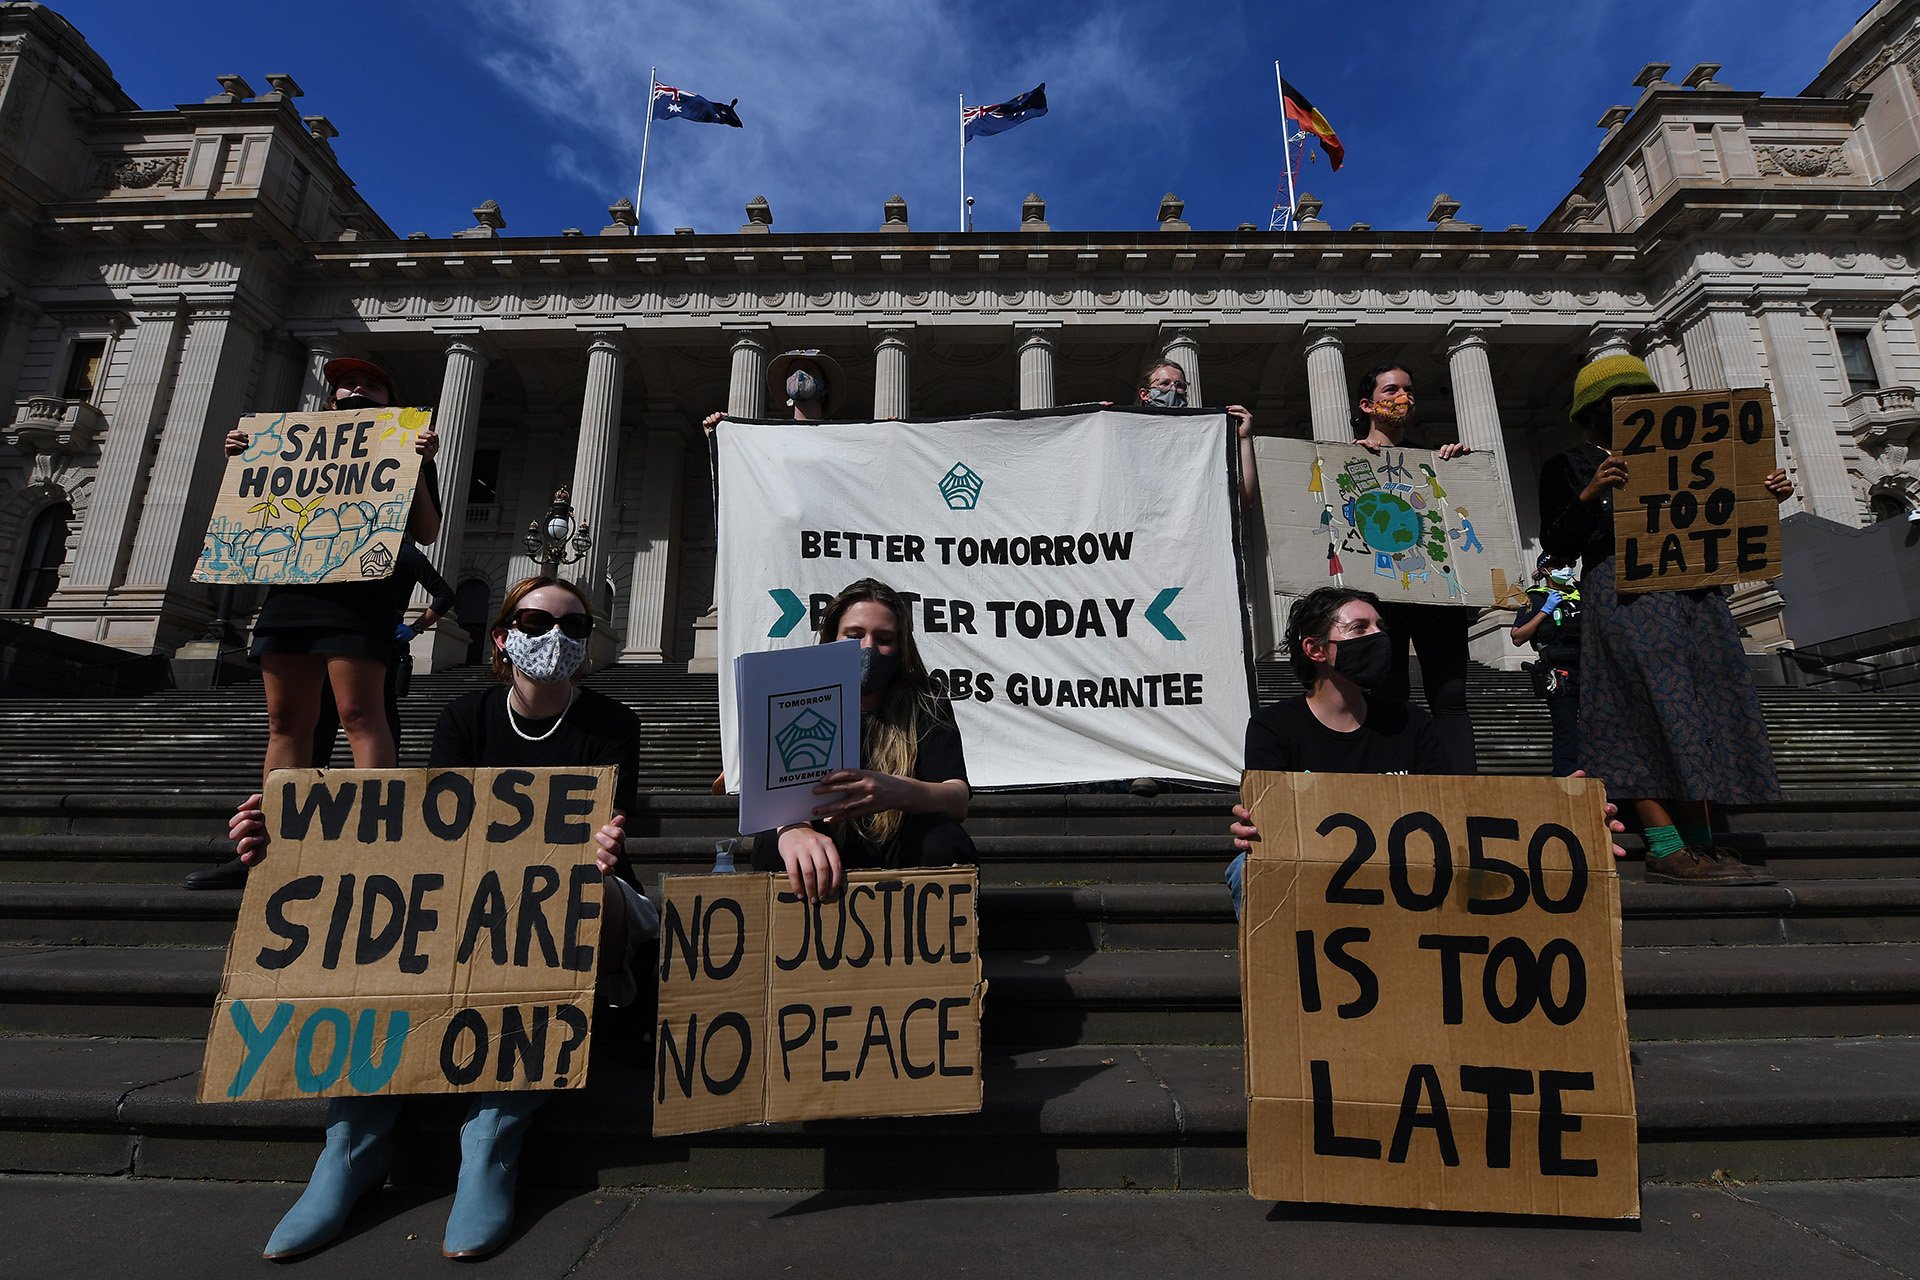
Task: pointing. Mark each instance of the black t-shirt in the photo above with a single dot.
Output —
(1397, 737)
(474, 733)
(938, 754)
(372, 608)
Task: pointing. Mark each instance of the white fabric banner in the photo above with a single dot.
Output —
(1074, 582)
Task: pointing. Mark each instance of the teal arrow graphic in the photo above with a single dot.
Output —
(1157, 614)
(791, 611)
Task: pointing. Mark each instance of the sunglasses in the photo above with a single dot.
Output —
(537, 622)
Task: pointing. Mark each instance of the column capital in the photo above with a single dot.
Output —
(614, 341)
(890, 335)
(1464, 335)
(884, 327)
(1177, 330)
(467, 341)
(1777, 298)
(1611, 339)
(1321, 333)
(1036, 335)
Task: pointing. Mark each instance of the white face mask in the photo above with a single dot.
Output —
(547, 658)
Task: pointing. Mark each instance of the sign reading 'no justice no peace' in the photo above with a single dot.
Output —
(414, 931)
(1073, 578)
(1430, 971)
(314, 497)
(1695, 511)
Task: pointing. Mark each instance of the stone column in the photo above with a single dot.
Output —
(892, 396)
(120, 482)
(313, 385)
(653, 598)
(747, 384)
(1664, 360)
(1036, 365)
(596, 459)
(457, 418)
(1476, 408)
(1809, 428)
(1327, 386)
(1608, 340)
(1180, 344)
(1719, 346)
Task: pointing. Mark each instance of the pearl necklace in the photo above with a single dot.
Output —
(539, 737)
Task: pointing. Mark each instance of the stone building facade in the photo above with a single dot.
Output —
(164, 272)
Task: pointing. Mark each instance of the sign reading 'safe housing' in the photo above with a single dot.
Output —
(314, 497)
(414, 931)
(1695, 511)
(773, 1008)
(1430, 970)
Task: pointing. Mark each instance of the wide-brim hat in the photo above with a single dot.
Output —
(337, 371)
(781, 365)
(1607, 375)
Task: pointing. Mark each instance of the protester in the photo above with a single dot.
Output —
(1550, 622)
(906, 807)
(411, 568)
(1436, 632)
(535, 718)
(1668, 712)
(334, 638)
(810, 381)
(1345, 722)
(1164, 386)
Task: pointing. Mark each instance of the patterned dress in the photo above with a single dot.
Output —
(1667, 705)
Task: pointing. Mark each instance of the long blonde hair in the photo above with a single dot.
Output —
(890, 742)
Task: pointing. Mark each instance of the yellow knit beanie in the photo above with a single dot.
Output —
(1607, 375)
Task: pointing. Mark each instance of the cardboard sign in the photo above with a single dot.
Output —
(1430, 972)
(775, 1009)
(799, 721)
(315, 497)
(414, 931)
(1695, 511)
(1402, 523)
(1073, 578)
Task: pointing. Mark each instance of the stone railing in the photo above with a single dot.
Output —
(480, 515)
(1888, 415)
(48, 424)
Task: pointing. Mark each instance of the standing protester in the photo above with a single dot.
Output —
(1550, 622)
(1437, 632)
(1668, 712)
(810, 381)
(536, 718)
(335, 636)
(1165, 387)
(411, 568)
(905, 807)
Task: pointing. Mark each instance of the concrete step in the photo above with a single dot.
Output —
(1094, 1116)
(1077, 997)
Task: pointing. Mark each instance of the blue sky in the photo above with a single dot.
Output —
(539, 105)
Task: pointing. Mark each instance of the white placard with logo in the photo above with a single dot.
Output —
(799, 717)
(1073, 578)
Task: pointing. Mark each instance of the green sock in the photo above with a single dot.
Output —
(1697, 834)
(1664, 841)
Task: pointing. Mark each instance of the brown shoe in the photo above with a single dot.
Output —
(1696, 866)
(1749, 873)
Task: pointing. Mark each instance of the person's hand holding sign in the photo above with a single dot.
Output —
(611, 842)
(812, 861)
(247, 828)
(1610, 476)
(1779, 484)
(863, 791)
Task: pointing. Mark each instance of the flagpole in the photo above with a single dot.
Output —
(646, 134)
(1286, 144)
(963, 162)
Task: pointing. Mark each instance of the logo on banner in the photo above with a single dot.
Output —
(961, 487)
(802, 730)
(377, 563)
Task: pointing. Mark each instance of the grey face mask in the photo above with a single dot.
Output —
(803, 387)
(877, 669)
(1166, 397)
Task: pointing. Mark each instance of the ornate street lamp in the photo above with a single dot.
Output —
(558, 538)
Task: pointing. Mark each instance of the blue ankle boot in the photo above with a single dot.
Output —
(354, 1161)
(490, 1140)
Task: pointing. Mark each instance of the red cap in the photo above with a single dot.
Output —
(337, 371)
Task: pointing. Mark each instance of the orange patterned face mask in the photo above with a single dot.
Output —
(1395, 408)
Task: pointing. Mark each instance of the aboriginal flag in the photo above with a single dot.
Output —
(1303, 113)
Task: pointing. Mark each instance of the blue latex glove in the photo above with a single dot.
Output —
(405, 634)
(1553, 601)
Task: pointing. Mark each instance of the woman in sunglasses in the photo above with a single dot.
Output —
(905, 808)
(535, 718)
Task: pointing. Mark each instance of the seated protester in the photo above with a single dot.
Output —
(1550, 622)
(1341, 653)
(905, 808)
(536, 718)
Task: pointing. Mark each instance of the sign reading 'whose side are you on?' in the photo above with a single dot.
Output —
(314, 497)
(1430, 976)
(1073, 578)
(1695, 511)
(414, 931)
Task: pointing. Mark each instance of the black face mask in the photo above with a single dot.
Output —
(877, 669)
(357, 402)
(1365, 660)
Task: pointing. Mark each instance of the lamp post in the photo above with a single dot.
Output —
(558, 537)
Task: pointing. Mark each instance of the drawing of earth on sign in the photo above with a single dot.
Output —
(1384, 512)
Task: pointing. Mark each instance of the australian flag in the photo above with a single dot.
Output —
(670, 103)
(1002, 116)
